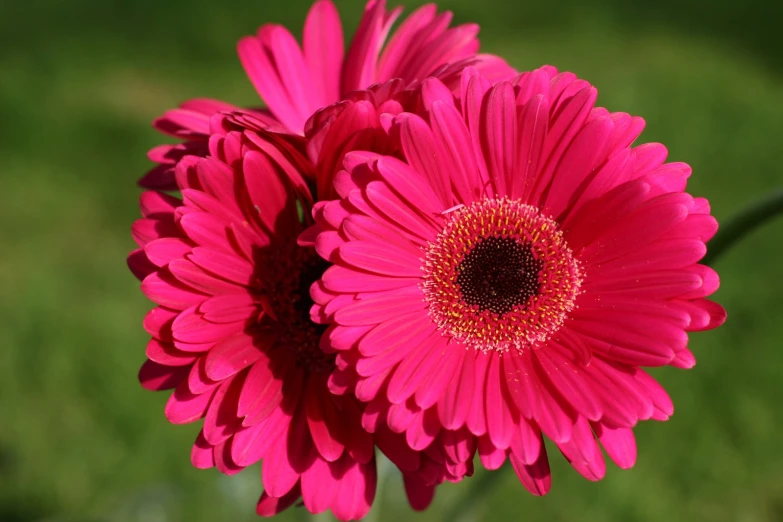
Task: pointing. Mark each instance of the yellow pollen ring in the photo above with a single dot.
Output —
(541, 244)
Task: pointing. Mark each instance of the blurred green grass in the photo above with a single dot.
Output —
(79, 83)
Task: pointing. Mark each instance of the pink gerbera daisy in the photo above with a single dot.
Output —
(512, 272)
(295, 81)
(232, 334)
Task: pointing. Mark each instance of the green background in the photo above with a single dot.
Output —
(81, 80)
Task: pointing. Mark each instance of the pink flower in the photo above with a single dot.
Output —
(232, 336)
(295, 81)
(512, 272)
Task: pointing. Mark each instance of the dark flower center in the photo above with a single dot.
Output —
(313, 268)
(292, 274)
(498, 274)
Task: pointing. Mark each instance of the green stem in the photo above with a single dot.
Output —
(743, 223)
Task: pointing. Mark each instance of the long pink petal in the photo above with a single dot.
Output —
(410, 185)
(432, 390)
(455, 141)
(419, 493)
(454, 406)
(269, 506)
(341, 279)
(567, 379)
(500, 419)
(191, 327)
(277, 473)
(360, 70)
(527, 443)
(582, 157)
(491, 456)
(356, 491)
(146, 230)
(221, 420)
(398, 212)
(235, 353)
(416, 367)
(164, 250)
(229, 267)
(265, 78)
(319, 486)
(154, 376)
(140, 264)
(563, 127)
(399, 46)
(183, 406)
(164, 289)
(157, 205)
(167, 354)
(251, 444)
(323, 418)
(583, 453)
(398, 330)
(201, 455)
(535, 477)
(619, 444)
(323, 50)
(499, 136)
(375, 310)
(422, 153)
(477, 418)
(381, 259)
(263, 390)
(423, 430)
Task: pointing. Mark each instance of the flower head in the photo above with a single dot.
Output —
(296, 81)
(232, 334)
(511, 271)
